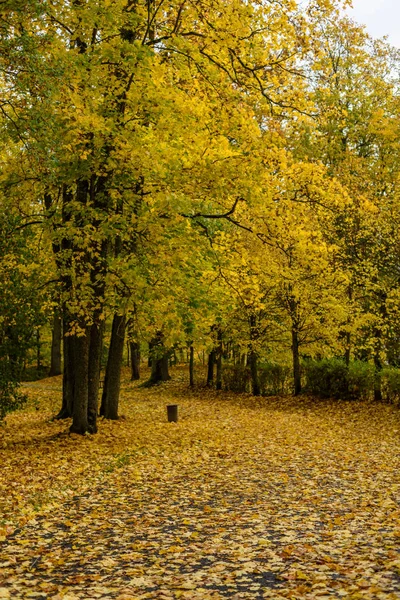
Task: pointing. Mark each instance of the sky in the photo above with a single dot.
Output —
(382, 17)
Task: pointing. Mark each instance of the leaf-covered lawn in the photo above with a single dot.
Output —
(243, 498)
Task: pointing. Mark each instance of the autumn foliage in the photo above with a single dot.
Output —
(214, 185)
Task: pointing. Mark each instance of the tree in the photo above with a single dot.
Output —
(22, 304)
(356, 98)
(128, 116)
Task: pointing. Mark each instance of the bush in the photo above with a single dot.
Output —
(274, 379)
(10, 397)
(326, 378)
(331, 378)
(390, 378)
(236, 378)
(361, 379)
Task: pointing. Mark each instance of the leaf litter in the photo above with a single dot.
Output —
(242, 498)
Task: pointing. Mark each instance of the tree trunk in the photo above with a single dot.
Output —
(81, 363)
(38, 354)
(255, 382)
(56, 337)
(378, 367)
(296, 362)
(150, 353)
(252, 357)
(218, 378)
(94, 366)
(348, 334)
(112, 379)
(347, 351)
(159, 361)
(160, 370)
(135, 360)
(220, 351)
(68, 391)
(191, 365)
(210, 369)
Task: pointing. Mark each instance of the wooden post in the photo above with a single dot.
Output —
(172, 412)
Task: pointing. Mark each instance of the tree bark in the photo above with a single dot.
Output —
(348, 334)
(159, 369)
(218, 379)
(347, 351)
(159, 361)
(191, 365)
(94, 366)
(81, 362)
(252, 356)
(68, 391)
(255, 382)
(296, 362)
(56, 337)
(210, 368)
(378, 367)
(150, 353)
(38, 353)
(135, 360)
(112, 379)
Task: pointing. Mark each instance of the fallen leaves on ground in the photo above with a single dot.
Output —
(242, 498)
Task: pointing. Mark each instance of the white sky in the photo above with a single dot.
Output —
(382, 17)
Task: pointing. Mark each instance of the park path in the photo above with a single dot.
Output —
(242, 498)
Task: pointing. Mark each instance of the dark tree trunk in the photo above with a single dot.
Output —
(218, 378)
(149, 358)
(378, 367)
(191, 365)
(220, 351)
(348, 334)
(159, 361)
(296, 362)
(68, 392)
(62, 254)
(81, 363)
(347, 352)
(94, 366)
(252, 356)
(56, 337)
(112, 379)
(253, 364)
(135, 360)
(38, 347)
(210, 368)
(159, 370)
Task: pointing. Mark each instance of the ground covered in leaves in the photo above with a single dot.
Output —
(242, 498)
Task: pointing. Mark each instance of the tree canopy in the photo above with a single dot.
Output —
(220, 173)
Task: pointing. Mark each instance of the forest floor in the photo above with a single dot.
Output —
(243, 498)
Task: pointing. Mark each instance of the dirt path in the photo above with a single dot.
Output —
(240, 499)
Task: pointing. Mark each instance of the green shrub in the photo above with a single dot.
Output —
(10, 397)
(326, 378)
(332, 378)
(390, 378)
(274, 379)
(236, 378)
(361, 378)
